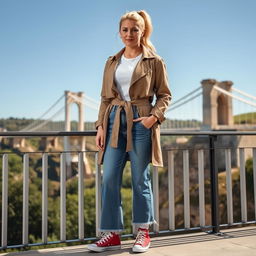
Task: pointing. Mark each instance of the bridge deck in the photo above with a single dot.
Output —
(233, 242)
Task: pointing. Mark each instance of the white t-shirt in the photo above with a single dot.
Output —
(123, 75)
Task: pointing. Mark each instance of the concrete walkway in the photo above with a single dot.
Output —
(234, 242)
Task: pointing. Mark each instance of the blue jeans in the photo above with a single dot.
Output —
(113, 165)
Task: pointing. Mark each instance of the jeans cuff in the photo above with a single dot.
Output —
(136, 226)
(112, 230)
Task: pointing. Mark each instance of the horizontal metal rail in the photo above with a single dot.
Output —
(93, 133)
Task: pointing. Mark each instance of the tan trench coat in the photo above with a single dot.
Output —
(149, 78)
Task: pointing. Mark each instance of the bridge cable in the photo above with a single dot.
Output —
(86, 104)
(244, 93)
(92, 100)
(234, 96)
(182, 103)
(45, 113)
(184, 97)
(48, 120)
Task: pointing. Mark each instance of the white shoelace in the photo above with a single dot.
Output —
(140, 237)
(105, 237)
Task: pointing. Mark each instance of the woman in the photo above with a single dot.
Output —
(128, 129)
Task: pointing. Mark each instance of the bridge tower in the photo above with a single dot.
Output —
(77, 98)
(217, 107)
(79, 142)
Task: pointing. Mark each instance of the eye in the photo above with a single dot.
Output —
(124, 29)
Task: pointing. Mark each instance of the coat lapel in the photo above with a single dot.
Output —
(112, 79)
(141, 69)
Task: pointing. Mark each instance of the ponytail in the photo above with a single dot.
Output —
(147, 30)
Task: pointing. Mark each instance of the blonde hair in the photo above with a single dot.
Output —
(144, 21)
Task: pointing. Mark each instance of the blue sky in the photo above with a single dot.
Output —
(48, 46)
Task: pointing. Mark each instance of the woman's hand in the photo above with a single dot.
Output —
(147, 121)
(100, 138)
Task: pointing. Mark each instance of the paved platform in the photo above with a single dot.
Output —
(233, 242)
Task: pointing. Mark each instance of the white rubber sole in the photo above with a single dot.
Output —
(140, 249)
(96, 248)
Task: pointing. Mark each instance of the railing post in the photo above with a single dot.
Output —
(81, 195)
(156, 198)
(171, 195)
(200, 156)
(98, 195)
(45, 198)
(25, 218)
(229, 186)
(243, 185)
(186, 189)
(63, 197)
(214, 185)
(254, 179)
(4, 200)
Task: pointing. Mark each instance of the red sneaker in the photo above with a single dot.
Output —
(142, 241)
(108, 241)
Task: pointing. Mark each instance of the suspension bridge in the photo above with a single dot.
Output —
(212, 106)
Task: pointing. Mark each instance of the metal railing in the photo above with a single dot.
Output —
(201, 152)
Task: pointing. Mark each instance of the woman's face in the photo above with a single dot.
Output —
(130, 33)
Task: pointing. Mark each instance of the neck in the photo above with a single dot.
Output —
(132, 52)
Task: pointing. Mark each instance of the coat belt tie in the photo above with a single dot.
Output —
(127, 106)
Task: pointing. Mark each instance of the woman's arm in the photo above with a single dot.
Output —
(103, 106)
(104, 101)
(99, 140)
(163, 94)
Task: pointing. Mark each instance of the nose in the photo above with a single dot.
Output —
(130, 32)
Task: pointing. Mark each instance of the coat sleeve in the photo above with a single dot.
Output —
(163, 94)
(104, 100)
